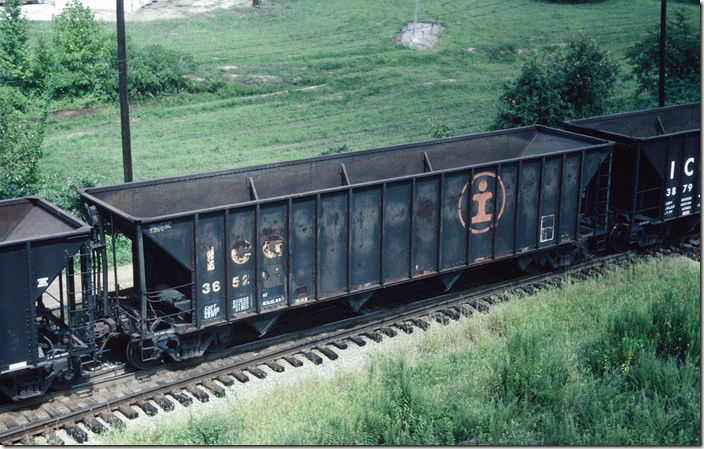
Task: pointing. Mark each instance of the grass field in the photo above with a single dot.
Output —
(608, 361)
(337, 76)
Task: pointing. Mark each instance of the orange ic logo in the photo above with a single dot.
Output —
(482, 205)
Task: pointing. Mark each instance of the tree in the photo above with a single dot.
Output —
(20, 144)
(43, 62)
(14, 52)
(82, 53)
(682, 59)
(576, 82)
(588, 77)
(532, 98)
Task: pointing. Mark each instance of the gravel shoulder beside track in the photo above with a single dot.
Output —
(354, 359)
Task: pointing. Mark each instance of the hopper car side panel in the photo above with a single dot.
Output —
(339, 243)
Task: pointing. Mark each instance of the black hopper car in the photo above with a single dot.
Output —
(656, 187)
(39, 346)
(216, 251)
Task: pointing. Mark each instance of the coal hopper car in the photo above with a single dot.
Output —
(656, 171)
(247, 244)
(45, 338)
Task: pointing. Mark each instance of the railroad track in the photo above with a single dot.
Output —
(88, 407)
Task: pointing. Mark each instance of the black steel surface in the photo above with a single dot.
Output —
(257, 239)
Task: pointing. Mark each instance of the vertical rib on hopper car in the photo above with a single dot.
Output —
(221, 246)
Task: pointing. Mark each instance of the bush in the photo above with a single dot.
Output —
(533, 98)
(336, 150)
(682, 76)
(63, 191)
(14, 51)
(153, 70)
(82, 54)
(439, 130)
(84, 63)
(588, 77)
(43, 62)
(20, 144)
(575, 82)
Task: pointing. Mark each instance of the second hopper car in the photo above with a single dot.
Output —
(655, 189)
(250, 243)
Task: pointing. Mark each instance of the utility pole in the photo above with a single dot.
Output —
(124, 105)
(663, 25)
(415, 15)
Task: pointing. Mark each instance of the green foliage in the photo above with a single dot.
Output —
(575, 82)
(528, 373)
(82, 54)
(440, 130)
(587, 77)
(63, 191)
(14, 51)
(335, 150)
(668, 329)
(400, 413)
(43, 62)
(532, 98)
(682, 61)
(20, 144)
(153, 70)
(83, 64)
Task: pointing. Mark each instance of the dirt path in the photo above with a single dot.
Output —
(157, 10)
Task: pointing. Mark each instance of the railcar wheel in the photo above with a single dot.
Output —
(223, 338)
(618, 238)
(135, 357)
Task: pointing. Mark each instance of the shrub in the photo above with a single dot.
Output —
(43, 62)
(153, 70)
(533, 98)
(20, 144)
(588, 77)
(335, 150)
(63, 191)
(682, 76)
(440, 130)
(575, 82)
(14, 52)
(86, 66)
(82, 54)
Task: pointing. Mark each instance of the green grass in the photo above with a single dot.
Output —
(370, 91)
(609, 361)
